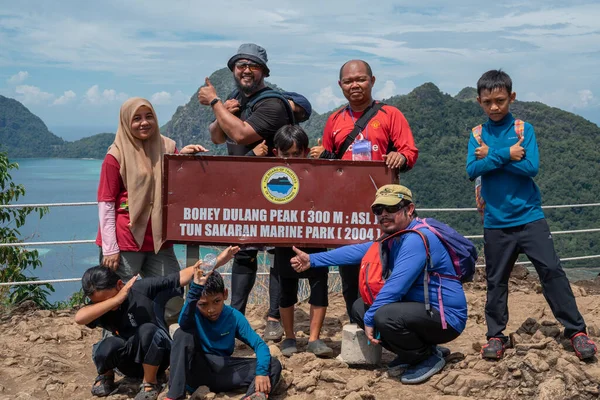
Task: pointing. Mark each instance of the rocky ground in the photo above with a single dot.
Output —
(45, 355)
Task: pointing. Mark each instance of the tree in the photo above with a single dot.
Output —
(14, 261)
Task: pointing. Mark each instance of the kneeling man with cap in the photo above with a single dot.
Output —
(394, 287)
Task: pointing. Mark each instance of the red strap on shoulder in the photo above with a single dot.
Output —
(477, 133)
(519, 128)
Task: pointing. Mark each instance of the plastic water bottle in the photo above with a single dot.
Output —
(209, 261)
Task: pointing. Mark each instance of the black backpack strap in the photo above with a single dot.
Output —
(359, 125)
(273, 94)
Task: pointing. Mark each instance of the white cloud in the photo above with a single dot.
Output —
(65, 98)
(388, 90)
(161, 98)
(326, 100)
(94, 96)
(586, 98)
(32, 94)
(18, 78)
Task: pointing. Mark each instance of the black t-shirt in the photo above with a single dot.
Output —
(283, 255)
(145, 303)
(266, 118)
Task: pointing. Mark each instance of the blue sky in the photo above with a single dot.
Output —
(73, 63)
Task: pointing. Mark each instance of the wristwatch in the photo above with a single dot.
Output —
(214, 101)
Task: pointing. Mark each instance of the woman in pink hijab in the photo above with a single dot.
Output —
(130, 195)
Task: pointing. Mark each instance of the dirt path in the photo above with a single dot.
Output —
(45, 355)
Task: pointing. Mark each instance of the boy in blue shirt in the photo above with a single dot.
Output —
(504, 153)
(202, 347)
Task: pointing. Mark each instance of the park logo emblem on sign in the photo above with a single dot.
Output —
(280, 185)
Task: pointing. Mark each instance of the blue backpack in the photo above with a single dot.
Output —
(462, 251)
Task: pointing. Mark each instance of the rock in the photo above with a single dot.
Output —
(530, 326)
(356, 349)
(200, 393)
(550, 330)
(360, 396)
(593, 330)
(43, 313)
(69, 332)
(34, 336)
(528, 346)
(275, 351)
(519, 272)
(552, 389)
(517, 374)
(535, 363)
(331, 376)
(476, 346)
(358, 383)
(314, 365)
(305, 382)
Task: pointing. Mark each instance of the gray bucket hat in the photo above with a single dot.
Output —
(252, 52)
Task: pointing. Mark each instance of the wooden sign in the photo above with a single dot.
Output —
(271, 201)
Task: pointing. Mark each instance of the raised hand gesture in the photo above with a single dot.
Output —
(207, 93)
(301, 262)
(517, 152)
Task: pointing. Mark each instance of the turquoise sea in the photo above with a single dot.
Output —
(76, 180)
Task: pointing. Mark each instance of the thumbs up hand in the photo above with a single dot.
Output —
(300, 262)
(315, 151)
(207, 93)
(517, 152)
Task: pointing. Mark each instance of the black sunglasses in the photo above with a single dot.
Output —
(379, 208)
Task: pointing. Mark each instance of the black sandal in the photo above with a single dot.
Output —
(151, 394)
(106, 386)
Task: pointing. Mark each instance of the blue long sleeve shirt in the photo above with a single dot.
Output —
(405, 283)
(218, 337)
(512, 198)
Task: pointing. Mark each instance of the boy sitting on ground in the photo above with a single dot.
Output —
(202, 347)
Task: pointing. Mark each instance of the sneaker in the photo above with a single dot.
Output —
(288, 347)
(319, 348)
(424, 370)
(584, 346)
(442, 351)
(273, 331)
(493, 349)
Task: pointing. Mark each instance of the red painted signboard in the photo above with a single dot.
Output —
(271, 201)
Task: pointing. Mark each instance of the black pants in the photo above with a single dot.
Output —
(243, 276)
(191, 367)
(349, 277)
(318, 290)
(502, 247)
(406, 329)
(150, 345)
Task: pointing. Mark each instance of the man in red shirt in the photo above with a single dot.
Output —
(386, 136)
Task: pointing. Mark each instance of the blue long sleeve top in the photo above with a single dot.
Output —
(218, 337)
(512, 198)
(405, 283)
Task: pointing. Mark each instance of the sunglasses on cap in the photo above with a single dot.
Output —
(379, 208)
(241, 66)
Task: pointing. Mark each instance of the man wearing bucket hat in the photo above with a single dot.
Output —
(250, 118)
(392, 309)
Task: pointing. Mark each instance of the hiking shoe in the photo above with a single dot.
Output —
(493, 349)
(288, 347)
(319, 348)
(584, 346)
(106, 386)
(424, 370)
(273, 331)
